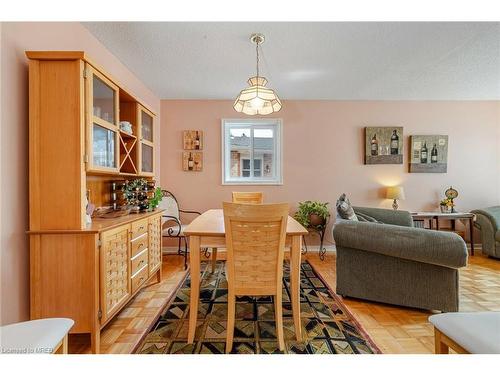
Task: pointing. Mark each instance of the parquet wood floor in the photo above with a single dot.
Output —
(394, 329)
(122, 334)
(404, 330)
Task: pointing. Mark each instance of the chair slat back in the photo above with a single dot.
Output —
(255, 240)
(169, 204)
(248, 197)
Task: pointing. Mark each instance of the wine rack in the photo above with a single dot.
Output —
(137, 199)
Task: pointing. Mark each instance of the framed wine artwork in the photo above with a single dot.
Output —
(192, 161)
(192, 139)
(429, 154)
(384, 145)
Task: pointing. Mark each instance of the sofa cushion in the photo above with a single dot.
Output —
(344, 208)
(386, 216)
(367, 218)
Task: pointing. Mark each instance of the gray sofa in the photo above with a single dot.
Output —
(396, 263)
(488, 222)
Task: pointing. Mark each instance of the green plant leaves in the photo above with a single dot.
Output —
(307, 208)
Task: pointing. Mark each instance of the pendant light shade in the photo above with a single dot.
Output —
(257, 99)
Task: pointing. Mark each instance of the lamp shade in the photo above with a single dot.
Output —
(257, 99)
(395, 192)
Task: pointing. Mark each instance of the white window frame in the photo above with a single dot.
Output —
(226, 124)
(254, 158)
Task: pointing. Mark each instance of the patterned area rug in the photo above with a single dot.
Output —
(328, 327)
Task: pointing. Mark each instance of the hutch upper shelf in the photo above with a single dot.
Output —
(119, 129)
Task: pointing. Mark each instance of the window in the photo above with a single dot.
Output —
(257, 167)
(252, 152)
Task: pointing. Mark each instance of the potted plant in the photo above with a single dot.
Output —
(446, 205)
(312, 214)
(156, 199)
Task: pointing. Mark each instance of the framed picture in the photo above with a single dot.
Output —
(384, 145)
(192, 140)
(192, 161)
(429, 154)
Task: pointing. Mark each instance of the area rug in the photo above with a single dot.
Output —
(328, 326)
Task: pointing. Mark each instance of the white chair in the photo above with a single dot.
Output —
(475, 333)
(171, 215)
(41, 336)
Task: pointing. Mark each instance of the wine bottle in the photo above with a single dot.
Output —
(374, 145)
(434, 154)
(190, 162)
(394, 143)
(197, 142)
(423, 154)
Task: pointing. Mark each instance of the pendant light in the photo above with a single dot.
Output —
(257, 99)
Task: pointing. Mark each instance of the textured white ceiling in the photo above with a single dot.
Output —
(332, 60)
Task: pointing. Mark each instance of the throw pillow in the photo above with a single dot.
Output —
(344, 208)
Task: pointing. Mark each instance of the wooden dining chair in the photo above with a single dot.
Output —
(239, 197)
(248, 197)
(255, 240)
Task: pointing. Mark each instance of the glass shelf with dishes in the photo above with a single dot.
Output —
(146, 144)
(103, 139)
(119, 129)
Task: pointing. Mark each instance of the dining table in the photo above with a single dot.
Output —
(207, 231)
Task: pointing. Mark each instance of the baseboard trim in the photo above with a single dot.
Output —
(311, 248)
(329, 249)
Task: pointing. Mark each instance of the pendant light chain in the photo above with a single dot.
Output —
(257, 50)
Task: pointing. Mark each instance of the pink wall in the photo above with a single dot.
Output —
(323, 152)
(15, 39)
(322, 149)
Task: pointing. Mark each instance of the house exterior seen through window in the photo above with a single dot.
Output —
(252, 151)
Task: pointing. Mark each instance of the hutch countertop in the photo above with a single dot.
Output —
(100, 225)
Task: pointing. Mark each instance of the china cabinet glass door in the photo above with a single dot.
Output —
(146, 126)
(103, 142)
(103, 147)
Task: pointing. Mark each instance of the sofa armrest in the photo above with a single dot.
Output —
(491, 214)
(394, 217)
(421, 245)
(488, 224)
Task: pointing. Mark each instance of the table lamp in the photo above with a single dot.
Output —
(395, 193)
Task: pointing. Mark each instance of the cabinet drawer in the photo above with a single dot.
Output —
(139, 261)
(139, 245)
(139, 227)
(139, 279)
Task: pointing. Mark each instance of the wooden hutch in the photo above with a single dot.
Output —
(87, 272)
